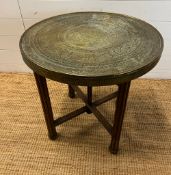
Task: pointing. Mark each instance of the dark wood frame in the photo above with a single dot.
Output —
(90, 107)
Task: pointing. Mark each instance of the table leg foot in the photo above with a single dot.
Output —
(112, 150)
(52, 137)
(119, 116)
(46, 105)
(71, 92)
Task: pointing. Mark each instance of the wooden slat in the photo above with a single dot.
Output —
(105, 99)
(9, 56)
(11, 27)
(11, 61)
(9, 43)
(92, 107)
(101, 118)
(70, 116)
(9, 9)
(148, 10)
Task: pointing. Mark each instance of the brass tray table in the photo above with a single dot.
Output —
(90, 49)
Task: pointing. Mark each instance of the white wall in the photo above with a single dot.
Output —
(18, 15)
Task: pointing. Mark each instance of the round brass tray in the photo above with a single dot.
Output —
(91, 48)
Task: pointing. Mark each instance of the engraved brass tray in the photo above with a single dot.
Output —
(91, 48)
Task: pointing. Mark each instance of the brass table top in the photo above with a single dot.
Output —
(91, 48)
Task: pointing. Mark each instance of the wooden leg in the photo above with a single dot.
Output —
(46, 105)
(119, 115)
(89, 97)
(71, 92)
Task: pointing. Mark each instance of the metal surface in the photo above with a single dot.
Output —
(91, 48)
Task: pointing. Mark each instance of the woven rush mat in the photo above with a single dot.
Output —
(82, 144)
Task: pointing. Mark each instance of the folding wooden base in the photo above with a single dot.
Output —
(90, 107)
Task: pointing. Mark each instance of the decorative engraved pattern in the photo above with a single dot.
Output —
(92, 44)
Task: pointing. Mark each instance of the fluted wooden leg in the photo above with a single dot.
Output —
(119, 115)
(89, 97)
(46, 105)
(71, 92)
